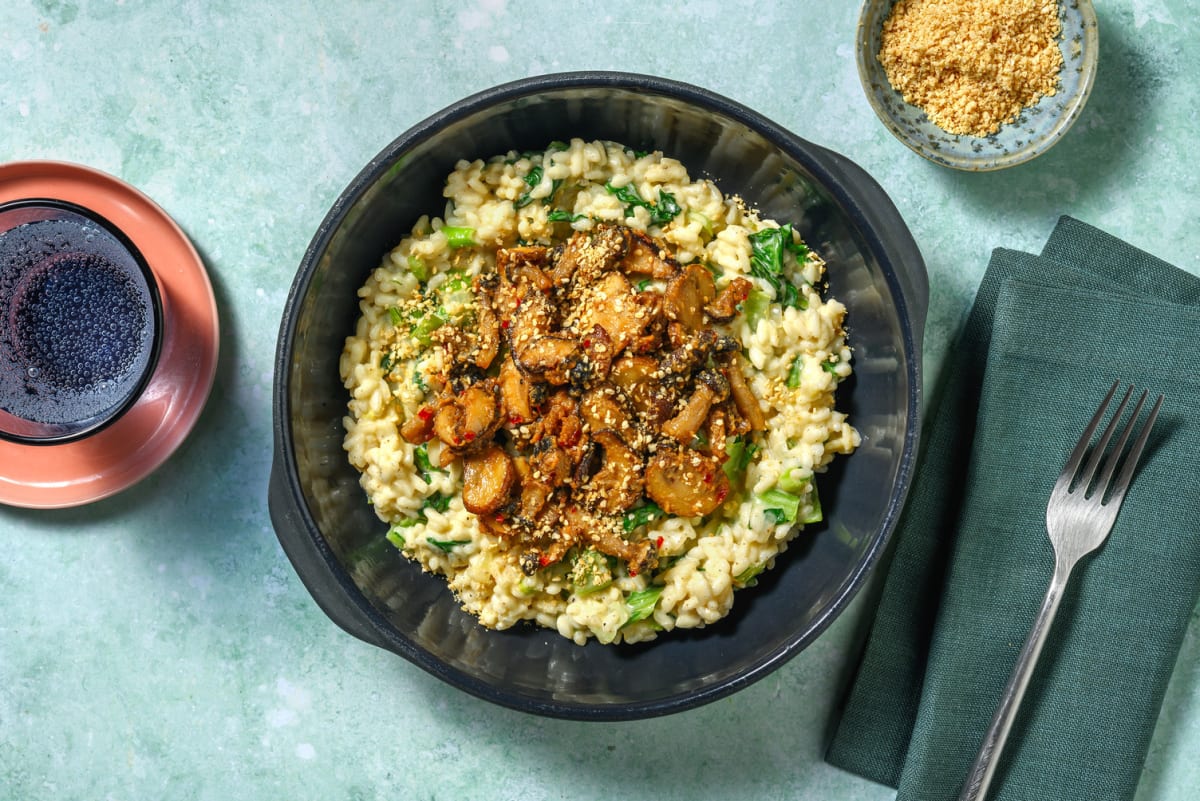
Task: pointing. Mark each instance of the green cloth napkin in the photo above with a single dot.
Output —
(1045, 340)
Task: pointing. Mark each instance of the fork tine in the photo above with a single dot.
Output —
(1084, 479)
(1072, 466)
(1135, 453)
(1110, 464)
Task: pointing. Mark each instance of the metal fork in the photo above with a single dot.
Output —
(1079, 517)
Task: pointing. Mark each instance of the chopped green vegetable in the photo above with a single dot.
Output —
(755, 307)
(776, 500)
(419, 269)
(426, 325)
(641, 285)
(705, 223)
(394, 535)
(395, 315)
(459, 236)
(385, 364)
(790, 482)
(641, 516)
(661, 213)
(396, 538)
(445, 546)
(562, 215)
(815, 514)
(830, 366)
(531, 180)
(749, 576)
(739, 453)
(455, 280)
(424, 466)
(766, 262)
(591, 572)
(665, 210)
(640, 603)
(419, 380)
(775, 516)
(793, 376)
(437, 501)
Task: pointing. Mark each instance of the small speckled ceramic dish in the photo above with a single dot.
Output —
(1035, 131)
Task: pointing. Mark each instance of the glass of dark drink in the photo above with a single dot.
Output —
(80, 322)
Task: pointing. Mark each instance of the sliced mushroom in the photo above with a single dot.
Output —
(650, 336)
(488, 477)
(587, 254)
(686, 483)
(617, 484)
(487, 333)
(717, 430)
(549, 358)
(515, 394)
(684, 426)
(525, 263)
(603, 406)
(640, 378)
(612, 304)
(687, 294)
(466, 422)
(561, 423)
(549, 464)
(533, 318)
(644, 257)
(599, 352)
(743, 396)
(419, 427)
(724, 307)
(580, 525)
(534, 494)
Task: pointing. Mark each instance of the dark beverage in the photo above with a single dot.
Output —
(80, 325)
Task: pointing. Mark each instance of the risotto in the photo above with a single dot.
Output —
(594, 393)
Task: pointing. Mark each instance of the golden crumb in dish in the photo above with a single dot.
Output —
(972, 65)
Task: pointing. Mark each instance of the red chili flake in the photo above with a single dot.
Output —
(504, 324)
(470, 435)
(722, 494)
(515, 420)
(587, 343)
(499, 517)
(708, 477)
(543, 560)
(633, 573)
(425, 413)
(659, 542)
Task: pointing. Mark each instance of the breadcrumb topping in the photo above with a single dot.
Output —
(972, 65)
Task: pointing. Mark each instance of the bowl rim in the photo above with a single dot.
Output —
(348, 607)
(1073, 109)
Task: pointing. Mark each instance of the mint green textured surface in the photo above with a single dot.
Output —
(1044, 341)
(159, 645)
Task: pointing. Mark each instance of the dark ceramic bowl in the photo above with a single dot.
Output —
(336, 542)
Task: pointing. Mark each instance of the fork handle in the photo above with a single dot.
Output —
(984, 767)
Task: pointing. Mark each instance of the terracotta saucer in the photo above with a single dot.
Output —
(75, 473)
